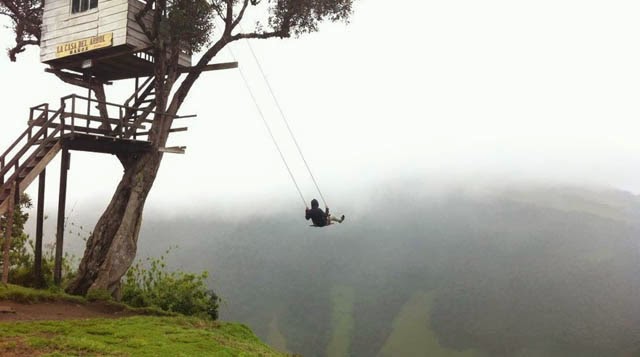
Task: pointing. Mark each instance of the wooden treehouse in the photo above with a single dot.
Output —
(92, 40)
(98, 36)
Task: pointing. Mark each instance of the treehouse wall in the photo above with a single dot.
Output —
(61, 26)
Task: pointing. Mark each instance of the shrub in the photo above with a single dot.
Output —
(21, 253)
(154, 286)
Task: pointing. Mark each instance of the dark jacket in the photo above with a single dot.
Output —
(317, 216)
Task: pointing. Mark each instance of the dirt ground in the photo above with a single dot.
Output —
(58, 311)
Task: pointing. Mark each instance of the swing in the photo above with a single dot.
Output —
(286, 122)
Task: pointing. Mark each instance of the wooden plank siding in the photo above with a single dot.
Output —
(61, 26)
(115, 16)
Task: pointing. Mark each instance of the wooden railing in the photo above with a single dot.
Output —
(76, 115)
(29, 142)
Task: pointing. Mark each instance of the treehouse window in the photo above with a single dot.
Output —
(83, 5)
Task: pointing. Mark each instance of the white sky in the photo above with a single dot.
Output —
(534, 90)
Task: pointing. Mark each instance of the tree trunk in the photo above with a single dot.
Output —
(112, 246)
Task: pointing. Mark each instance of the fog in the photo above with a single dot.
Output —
(484, 153)
(473, 269)
(524, 270)
(490, 90)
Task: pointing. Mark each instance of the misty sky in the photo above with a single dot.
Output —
(441, 90)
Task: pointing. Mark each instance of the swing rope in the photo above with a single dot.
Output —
(266, 124)
(286, 122)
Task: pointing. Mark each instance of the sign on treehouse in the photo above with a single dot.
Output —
(84, 45)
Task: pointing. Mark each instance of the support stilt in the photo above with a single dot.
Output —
(37, 268)
(64, 167)
(8, 233)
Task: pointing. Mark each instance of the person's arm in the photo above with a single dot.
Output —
(326, 211)
(307, 215)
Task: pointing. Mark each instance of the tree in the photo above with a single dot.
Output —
(112, 246)
(19, 256)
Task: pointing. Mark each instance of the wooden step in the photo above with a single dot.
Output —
(4, 195)
(27, 175)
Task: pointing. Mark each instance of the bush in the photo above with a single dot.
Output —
(21, 253)
(98, 295)
(180, 292)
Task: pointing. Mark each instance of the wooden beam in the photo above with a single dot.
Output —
(62, 199)
(175, 130)
(7, 234)
(100, 119)
(210, 67)
(173, 149)
(76, 76)
(37, 267)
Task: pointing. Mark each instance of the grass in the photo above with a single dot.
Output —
(342, 300)
(162, 335)
(412, 334)
(275, 337)
(133, 336)
(24, 295)
(30, 296)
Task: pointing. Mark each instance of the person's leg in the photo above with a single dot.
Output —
(335, 219)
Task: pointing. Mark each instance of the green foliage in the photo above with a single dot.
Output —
(304, 16)
(18, 253)
(189, 22)
(21, 254)
(154, 286)
(99, 295)
(23, 273)
(26, 295)
(135, 336)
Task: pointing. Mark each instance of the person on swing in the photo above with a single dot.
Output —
(319, 217)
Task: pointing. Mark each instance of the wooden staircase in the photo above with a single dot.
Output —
(28, 155)
(50, 131)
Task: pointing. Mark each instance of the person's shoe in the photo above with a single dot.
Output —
(342, 218)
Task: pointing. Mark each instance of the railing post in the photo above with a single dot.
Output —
(121, 119)
(63, 106)
(73, 113)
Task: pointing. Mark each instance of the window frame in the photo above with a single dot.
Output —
(77, 6)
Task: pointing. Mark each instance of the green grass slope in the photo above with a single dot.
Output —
(133, 336)
(412, 334)
(342, 300)
(130, 336)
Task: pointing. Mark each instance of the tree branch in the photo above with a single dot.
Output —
(194, 74)
(27, 18)
(218, 10)
(140, 20)
(263, 35)
(229, 18)
(240, 15)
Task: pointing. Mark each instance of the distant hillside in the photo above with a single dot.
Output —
(517, 271)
